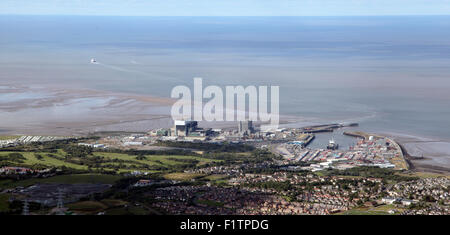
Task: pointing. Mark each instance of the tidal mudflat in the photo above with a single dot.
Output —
(44, 111)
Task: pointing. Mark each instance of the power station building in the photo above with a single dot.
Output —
(183, 128)
(245, 127)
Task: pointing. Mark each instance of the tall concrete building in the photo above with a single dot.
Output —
(183, 128)
(245, 127)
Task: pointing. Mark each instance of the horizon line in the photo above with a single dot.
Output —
(15, 14)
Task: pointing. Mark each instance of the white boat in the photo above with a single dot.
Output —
(93, 61)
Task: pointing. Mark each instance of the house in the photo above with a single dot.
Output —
(389, 200)
(132, 143)
(15, 170)
(407, 202)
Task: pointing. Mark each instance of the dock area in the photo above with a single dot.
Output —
(370, 150)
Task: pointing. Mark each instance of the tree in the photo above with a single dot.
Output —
(16, 157)
(78, 151)
(428, 198)
(141, 157)
(38, 156)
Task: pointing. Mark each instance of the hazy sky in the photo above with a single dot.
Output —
(226, 7)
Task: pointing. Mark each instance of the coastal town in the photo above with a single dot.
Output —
(187, 169)
(309, 195)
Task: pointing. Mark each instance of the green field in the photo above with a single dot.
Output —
(182, 176)
(379, 210)
(4, 205)
(109, 206)
(87, 206)
(46, 160)
(124, 162)
(425, 175)
(113, 202)
(215, 177)
(63, 179)
(153, 159)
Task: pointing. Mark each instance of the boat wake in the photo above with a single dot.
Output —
(125, 70)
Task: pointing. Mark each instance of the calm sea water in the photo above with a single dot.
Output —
(390, 74)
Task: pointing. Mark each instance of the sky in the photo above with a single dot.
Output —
(225, 7)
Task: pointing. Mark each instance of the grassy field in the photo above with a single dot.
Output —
(424, 175)
(182, 176)
(46, 160)
(215, 177)
(4, 202)
(379, 210)
(113, 202)
(87, 207)
(153, 159)
(129, 162)
(63, 179)
(110, 206)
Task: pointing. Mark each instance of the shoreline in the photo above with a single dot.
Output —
(79, 112)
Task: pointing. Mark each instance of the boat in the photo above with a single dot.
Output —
(93, 61)
(332, 145)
